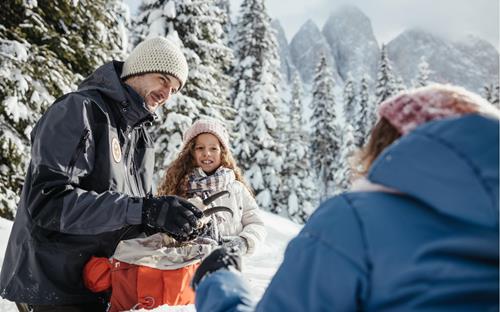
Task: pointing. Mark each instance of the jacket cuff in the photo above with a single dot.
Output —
(250, 243)
(134, 211)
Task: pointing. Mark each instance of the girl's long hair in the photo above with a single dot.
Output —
(382, 135)
(175, 181)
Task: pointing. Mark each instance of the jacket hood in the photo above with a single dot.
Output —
(451, 165)
(106, 80)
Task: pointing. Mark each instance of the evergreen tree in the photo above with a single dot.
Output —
(343, 173)
(399, 85)
(491, 92)
(423, 73)
(495, 99)
(487, 92)
(362, 114)
(298, 184)
(198, 26)
(349, 99)
(257, 102)
(45, 50)
(326, 135)
(386, 85)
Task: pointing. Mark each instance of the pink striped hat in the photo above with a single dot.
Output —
(411, 108)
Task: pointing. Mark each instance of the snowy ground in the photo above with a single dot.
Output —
(258, 268)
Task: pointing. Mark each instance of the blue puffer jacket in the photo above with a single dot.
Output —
(435, 248)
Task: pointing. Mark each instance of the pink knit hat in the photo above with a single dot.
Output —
(411, 108)
(207, 126)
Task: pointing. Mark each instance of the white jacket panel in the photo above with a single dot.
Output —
(246, 221)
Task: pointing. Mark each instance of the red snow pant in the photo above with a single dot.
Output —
(139, 287)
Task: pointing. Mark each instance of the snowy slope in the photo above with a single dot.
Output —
(258, 268)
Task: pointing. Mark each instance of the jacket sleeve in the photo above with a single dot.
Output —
(325, 268)
(63, 152)
(254, 230)
(225, 291)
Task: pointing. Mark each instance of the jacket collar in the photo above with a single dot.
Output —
(106, 80)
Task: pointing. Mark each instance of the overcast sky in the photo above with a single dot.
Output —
(450, 18)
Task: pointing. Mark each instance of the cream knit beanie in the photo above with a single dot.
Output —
(156, 55)
(207, 126)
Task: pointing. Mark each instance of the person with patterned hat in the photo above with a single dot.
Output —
(89, 181)
(418, 231)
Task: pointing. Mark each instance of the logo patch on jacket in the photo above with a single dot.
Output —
(117, 151)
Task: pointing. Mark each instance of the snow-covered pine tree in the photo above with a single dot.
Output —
(45, 50)
(362, 113)
(487, 92)
(386, 85)
(349, 99)
(399, 85)
(228, 26)
(423, 73)
(325, 138)
(256, 100)
(198, 26)
(300, 193)
(343, 173)
(491, 92)
(495, 98)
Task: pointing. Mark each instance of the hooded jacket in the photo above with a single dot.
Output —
(432, 245)
(91, 162)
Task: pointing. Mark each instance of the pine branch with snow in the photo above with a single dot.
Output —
(44, 52)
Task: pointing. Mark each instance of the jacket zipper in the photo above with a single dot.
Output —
(131, 171)
(79, 148)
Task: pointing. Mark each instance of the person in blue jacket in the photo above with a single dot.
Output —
(418, 232)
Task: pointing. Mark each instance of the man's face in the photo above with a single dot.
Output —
(154, 88)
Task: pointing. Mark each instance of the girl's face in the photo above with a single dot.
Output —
(207, 152)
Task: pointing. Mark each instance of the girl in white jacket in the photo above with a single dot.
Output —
(204, 167)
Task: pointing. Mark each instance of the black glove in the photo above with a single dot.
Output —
(238, 243)
(172, 215)
(220, 258)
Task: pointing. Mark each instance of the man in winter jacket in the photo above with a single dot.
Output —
(419, 233)
(89, 181)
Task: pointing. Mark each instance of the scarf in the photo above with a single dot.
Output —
(200, 184)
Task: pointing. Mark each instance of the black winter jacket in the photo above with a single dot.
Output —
(91, 162)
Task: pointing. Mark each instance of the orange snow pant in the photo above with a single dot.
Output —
(139, 287)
